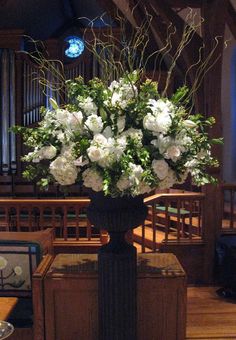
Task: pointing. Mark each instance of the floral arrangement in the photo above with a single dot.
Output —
(124, 138)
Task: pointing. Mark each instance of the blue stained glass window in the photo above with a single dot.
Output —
(75, 48)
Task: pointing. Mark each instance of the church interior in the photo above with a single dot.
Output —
(52, 286)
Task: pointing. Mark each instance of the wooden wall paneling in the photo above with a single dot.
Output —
(214, 14)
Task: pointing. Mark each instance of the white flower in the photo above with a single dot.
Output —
(75, 120)
(136, 172)
(92, 179)
(189, 123)
(80, 162)
(61, 136)
(157, 123)
(121, 123)
(160, 117)
(123, 183)
(168, 181)
(47, 152)
(67, 152)
(136, 134)
(87, 105)
(62, 116)
(64, 171)
(116, 98)
(162, 143)
(173, 152)
(160, 168)
(96, 153)
(99, 139)
(107, 132)
(94, 123)
(143, 188)
(191, 163)
(18, 270)
(3, 262)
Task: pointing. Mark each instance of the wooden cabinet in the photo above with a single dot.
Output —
(71, 294)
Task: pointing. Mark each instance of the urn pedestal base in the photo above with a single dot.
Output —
(117, 277)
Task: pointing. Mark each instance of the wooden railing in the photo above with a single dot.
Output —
(67, 217)
(172, 217)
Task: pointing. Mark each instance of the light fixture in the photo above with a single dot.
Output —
(75, 48)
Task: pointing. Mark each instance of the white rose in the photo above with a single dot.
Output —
(94, 123)
(161, 168)
(95, 153)
(99, 139)
(173, 152)
(18, 270)
(3, 262)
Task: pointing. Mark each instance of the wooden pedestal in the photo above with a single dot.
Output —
(71, 291)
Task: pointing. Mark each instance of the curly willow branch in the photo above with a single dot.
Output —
(50, 73)
(121, 48)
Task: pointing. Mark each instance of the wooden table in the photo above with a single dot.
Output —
(7, 304)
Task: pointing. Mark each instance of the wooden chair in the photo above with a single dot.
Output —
(33, 258)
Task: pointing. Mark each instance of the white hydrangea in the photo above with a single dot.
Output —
(88, 105)
(123, 183)
(123, 92)
(160, 168)
(168, 181)
(136, 134)
(47, 152)
(67, 151)
(92, 179)
(64, 171)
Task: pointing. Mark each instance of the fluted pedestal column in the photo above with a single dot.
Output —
(117, 265)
